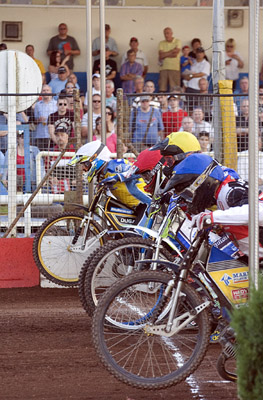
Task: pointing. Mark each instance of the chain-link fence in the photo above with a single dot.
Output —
(34, 155)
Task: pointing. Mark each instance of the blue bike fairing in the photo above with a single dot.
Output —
(223, 249)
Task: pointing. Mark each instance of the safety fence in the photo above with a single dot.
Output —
(40, 145)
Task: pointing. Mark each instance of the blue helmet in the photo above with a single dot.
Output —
(196, 179)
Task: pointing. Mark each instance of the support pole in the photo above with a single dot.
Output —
(253, 141)
(102, 71)
(218, 72)
(12, 146)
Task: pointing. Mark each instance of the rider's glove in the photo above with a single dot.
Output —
(202, 220)
(110, 180)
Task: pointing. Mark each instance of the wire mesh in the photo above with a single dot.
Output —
(143, 123)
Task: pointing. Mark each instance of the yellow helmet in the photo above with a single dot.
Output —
(178, 143)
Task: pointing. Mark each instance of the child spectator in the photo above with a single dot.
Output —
(203, 139)
(185, 62)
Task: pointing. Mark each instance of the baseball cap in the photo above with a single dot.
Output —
(62, 70)
(133, 39)
(173, 96)
(200, 50)
(95, 76)
(185, 47)
(61, 129)
(145, 98)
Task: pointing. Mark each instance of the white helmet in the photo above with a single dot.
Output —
(90, 150)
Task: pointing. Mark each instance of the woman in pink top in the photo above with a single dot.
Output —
(111, 137)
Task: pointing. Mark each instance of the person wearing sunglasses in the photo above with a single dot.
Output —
(62, 115)
(233, 61)
(96, 112)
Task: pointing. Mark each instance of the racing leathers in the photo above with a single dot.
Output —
(233, 212)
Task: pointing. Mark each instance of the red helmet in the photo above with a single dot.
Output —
(147, 160)
(148, 164)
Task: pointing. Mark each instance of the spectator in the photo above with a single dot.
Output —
(60, 179)
(21, 118)
(62, 117)
(111, 137)
(65, 44)
(187, 125)
(69, 93)
(179, 91)
(110, 43)
(138, 88)
(110, 119)
(149, 87)
(233, 62)
(172, 119)
(242, 126)
(169, 59)
(200, 68)
(203, 139)
(195, 44)
(200, 124)
(110, 67)
(55, 62)
(163, 100)
(20, 160)
(146, 125)
(203, 101)
(128, 72)
(111, 100)
(185, 63)
(3, 46)
(140, 56)
(138, 84)
(58, 84)
(62, 139)
(73, 78)
(95, 87)
(43, 108)
(96, 112)
(30, 52)
(244, 85)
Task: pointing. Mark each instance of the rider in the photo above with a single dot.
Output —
(126, 182)
(96, 160)
(203, 182)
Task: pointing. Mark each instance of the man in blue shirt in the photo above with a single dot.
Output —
(129, 70)
(146, 124)
(59, 83)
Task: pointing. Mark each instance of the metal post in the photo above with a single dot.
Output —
(89, 81)
(77, 128)
(89, 69)
(12, 146)
(120, 140)
(218, 72)
(102, 71)
(253, 140)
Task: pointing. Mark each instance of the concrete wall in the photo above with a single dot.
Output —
(39, 24)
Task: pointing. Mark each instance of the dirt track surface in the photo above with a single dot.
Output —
(46, 353)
